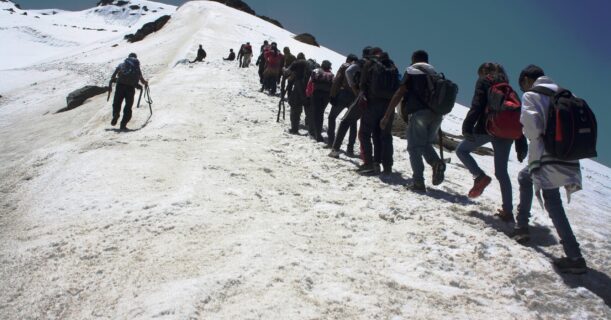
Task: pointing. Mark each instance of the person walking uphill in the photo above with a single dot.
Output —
(423, 124)
(273, 69)
(355, 109)
(201, 55)
(297, 80)
(341, 98)
(127, 75)
(545, 171)
(379, 81)
(479, 127)
(320, 82)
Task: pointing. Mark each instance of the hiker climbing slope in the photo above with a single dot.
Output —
(127, 76)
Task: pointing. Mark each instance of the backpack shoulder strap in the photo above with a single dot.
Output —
(543, 90)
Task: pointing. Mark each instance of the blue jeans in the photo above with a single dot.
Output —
(501, 147)
(422, 133)
(553, 206)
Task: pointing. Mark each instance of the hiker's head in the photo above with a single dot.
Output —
(286, 50)
(265, 42)
(274, 45)
(376, 51)
(230, 50)
(200, 46)
(132, 55)
(248, 43)
(420, 56)
(383, 56)
(301, 56)
(492, 69)
(528, 76)
(351, 58)
(326, 65)
(366, 52)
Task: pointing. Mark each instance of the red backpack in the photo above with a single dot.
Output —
(503, 112)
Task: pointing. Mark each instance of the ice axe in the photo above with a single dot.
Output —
(109, 90)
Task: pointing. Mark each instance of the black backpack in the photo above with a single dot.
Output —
(384, 79)
(129, 72)
(441, 93)
(571, 129)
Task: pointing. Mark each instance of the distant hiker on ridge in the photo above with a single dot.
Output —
(231, 56)
(201, 55)
(127, 75)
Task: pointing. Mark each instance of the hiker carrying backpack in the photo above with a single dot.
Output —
(493, 118)
(127, 75)
(384, 79)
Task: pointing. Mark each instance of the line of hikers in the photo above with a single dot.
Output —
(560, 127)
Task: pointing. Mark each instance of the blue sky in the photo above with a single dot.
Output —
(569, 39)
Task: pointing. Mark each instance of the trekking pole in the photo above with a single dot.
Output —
(279, 109)
(140, 96)
(109, 90)
(148, 99)
(283, 110)
(441, 144)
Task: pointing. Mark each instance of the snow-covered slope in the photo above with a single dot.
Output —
(210, 210)
(30, 36)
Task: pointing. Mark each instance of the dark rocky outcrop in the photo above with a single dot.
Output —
(147, 29)
(272, 21)
(237, 4)
(242, 6)
(78, 97)
(307, 38)
(105, 2)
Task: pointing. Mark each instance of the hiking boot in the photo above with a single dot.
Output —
(505, 216)
(520, 234)
(365, 169)
(571, 265)
(114, 120)
(479, 185)
(438, 172)
(416, 186)
(334, 154)
(291, 131)
(123, 128)
(376, 168)
(350, 151)
(387, 169)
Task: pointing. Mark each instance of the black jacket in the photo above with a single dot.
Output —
(475, 121)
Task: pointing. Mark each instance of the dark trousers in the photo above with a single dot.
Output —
(320, 99)
(123, 91)
(344, 99)
(269, 83)
(350, 119)
(376, 143)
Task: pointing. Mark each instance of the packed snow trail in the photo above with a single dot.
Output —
(213, 211)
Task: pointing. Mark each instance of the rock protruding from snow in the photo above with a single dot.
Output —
(79, 96)
(307, 38)
(147, 29)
